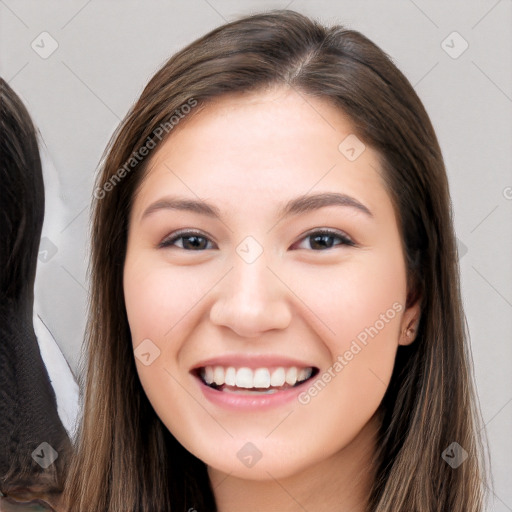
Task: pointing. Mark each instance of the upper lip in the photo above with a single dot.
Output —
(251, 361)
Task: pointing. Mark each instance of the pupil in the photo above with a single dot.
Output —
(196, 242)
(322, 241)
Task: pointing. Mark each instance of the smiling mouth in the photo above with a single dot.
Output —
(245, 380)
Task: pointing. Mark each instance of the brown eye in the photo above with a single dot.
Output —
(326, 239)
(190, 241)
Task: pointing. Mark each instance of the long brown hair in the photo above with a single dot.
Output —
(126, 459)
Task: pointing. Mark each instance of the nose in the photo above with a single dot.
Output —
(251, 300)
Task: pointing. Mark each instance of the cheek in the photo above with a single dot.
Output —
(350, 388)
(157, 297)
(361, 303)
(348, 299)
(159, 300)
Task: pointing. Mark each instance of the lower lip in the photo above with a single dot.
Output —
(251, 402)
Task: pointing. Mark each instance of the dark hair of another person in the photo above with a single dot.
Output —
(21, 198)
(28, 409)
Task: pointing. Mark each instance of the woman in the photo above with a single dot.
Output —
(275, 319)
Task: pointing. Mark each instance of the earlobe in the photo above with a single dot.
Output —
(410, 323)
(408, 335)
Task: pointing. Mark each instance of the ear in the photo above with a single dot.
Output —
(409, 324)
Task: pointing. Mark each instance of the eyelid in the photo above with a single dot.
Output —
(347, 240)
(329, 231)
(173, 237)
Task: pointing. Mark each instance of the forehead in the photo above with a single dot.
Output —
(249, 149)
(260, 128)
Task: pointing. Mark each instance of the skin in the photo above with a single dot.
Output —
(248, 155)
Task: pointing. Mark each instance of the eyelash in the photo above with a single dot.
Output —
(169, 242)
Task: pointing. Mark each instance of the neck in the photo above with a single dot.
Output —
(341, 482)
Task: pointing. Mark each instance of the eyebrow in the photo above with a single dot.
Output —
(299, 205)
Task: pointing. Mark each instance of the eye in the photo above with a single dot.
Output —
(190, 241)
(325, 239)
(196, 241)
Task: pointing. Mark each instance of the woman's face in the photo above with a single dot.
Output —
(235, 294)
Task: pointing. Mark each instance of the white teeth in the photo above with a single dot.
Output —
(244, 378)
(230, 378)
(304, 374)
(260, 378)
(208, 375)
(218, 375)
(278, 377)
(291, 376)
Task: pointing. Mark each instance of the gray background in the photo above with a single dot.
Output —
(107, 50)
